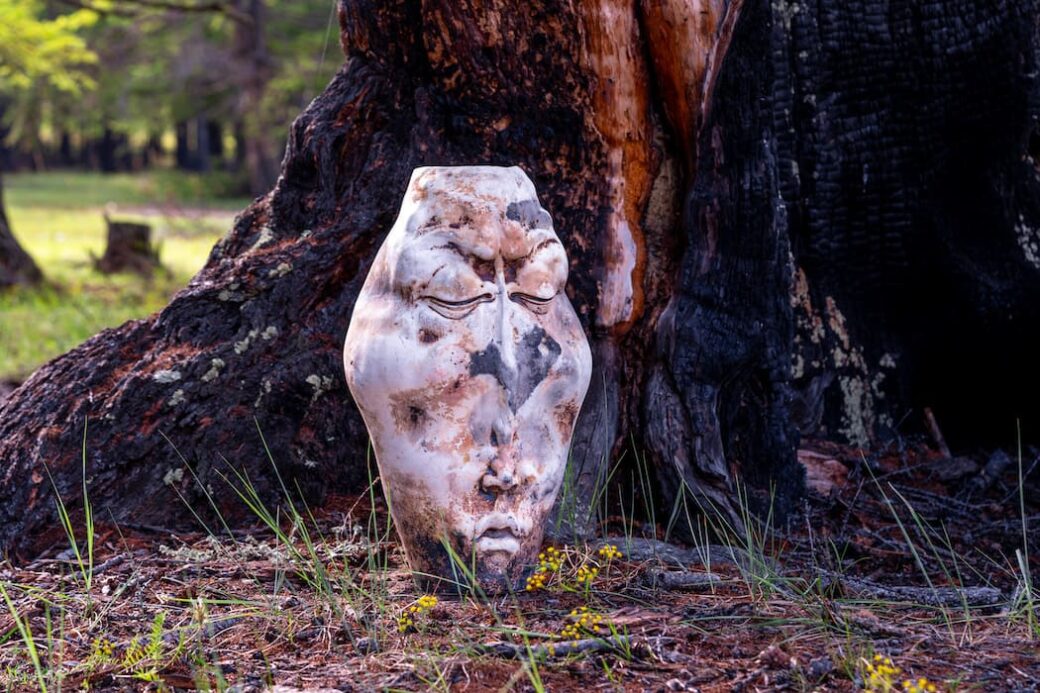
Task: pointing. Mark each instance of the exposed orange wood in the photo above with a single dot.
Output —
(621, 114)
(688, 40)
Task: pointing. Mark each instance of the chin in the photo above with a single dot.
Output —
(497, 572)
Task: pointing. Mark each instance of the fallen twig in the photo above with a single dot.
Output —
(619, 644)
(927, 596)
(937, 436)
(680, 580)
(994, 469)
(637, 549)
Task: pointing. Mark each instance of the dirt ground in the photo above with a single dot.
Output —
(902, 554)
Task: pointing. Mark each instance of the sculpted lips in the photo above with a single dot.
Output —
(497, 532)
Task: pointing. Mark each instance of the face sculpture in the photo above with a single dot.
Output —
(469, 366)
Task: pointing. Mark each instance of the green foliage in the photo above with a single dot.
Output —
(145, 656)
(42, 60)
(135, 70)
(34, 49)
(55, 193)
(26, 634)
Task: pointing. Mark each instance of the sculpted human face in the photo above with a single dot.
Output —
(469, 366)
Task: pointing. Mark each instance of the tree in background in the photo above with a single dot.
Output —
(212, 83)
(36, 55)
(99, 84)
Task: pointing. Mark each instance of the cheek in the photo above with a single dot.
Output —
(548, 476)
(430, 330)
(565, 384)
(543, 449)
(407, 348)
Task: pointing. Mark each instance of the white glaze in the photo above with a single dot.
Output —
(469, 366)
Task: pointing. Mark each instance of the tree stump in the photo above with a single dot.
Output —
(129, 249)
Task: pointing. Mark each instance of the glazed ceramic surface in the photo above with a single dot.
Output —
(469, 366)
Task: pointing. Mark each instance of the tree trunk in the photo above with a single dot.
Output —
(216, 140)
(774, 212)
(17, 268)
(153, 151)
(108, 151)
(65, 156)
(254, 69)
(239, 161)
(202, 147)
(183, 155)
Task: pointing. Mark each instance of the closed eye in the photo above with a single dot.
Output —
(456, 309)
(535, 303)
(465, 303)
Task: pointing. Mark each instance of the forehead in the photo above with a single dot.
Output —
(482, 216)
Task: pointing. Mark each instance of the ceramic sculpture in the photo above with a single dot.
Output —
(469, 366)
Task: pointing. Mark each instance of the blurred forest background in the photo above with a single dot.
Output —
(169, 113)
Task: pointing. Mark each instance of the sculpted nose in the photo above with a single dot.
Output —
(505, 473)
(499, 358)
(507, 350)
(499, 482)
(519, 354)
(504, 338)
(500, 474)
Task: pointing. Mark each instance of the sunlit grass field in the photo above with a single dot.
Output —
(58, 218)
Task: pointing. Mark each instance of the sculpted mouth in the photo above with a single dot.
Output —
(497, 532)
(497, 522)
(502, 533)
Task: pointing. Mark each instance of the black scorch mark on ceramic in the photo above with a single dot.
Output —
(530, 214)
(536, 354)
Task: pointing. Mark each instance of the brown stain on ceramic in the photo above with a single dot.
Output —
(465, 454)
(412, 408)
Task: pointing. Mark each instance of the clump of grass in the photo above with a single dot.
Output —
(880, 675)
(27, 637)
(572, 569)
(1025, 593)
(85, 564)
(407, 621)
(305, 551)
(144, 659)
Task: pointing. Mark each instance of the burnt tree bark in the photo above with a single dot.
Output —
(773, 210)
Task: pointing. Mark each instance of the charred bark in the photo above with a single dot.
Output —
(745, 189)
(904, 142)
